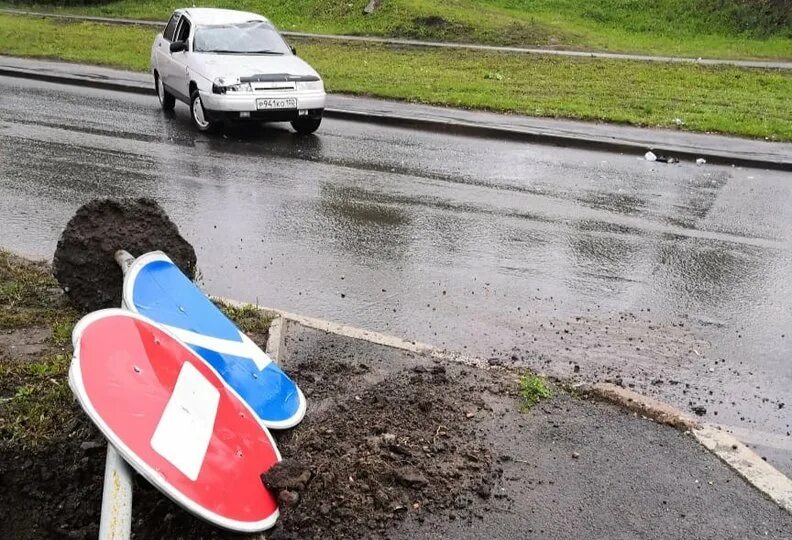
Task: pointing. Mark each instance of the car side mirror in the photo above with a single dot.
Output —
(293, 50)
(178, 46)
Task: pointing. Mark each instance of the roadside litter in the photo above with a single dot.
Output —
(651, 156)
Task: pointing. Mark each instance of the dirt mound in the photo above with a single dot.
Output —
(84, 262)
(404, 445)
(357, 466)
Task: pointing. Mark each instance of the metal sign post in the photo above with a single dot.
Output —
(194, 422)
(116, 519)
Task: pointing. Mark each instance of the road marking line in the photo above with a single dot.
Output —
(183, 433)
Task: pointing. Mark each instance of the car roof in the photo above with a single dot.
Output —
(220, 16)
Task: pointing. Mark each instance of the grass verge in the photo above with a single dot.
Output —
(753, 103)
(35, 348)
(36, 321)
(718, 28)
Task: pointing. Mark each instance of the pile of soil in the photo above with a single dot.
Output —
(84, 262)
(372, 451)
(404, 445)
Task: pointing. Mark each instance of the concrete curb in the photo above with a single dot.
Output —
(448, 126)
(78, 81)
(748, 464)
(400, 42)
(736, 455)
(643, 405)
(282, 319)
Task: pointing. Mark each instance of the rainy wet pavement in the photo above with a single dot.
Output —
(671, 278)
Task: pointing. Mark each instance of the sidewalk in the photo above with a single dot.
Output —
(760, 64)
(608, 137)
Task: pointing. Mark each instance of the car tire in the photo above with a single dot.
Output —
(306, 125)
(198, 115)
(167, 101)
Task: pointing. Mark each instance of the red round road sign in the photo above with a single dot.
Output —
(172, 418)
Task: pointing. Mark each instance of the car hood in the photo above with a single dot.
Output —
(212, 66)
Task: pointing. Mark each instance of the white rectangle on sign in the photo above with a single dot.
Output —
(185, 428)
(276, 103)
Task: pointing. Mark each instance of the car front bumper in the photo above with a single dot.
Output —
(229, 107)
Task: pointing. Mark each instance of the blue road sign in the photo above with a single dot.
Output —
(156, 288)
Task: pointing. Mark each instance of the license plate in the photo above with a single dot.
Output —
(276, 103)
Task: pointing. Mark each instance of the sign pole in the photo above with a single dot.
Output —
(116, 519)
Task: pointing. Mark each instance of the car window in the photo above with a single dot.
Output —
(183, 30)
(242, 38)
(170, 29)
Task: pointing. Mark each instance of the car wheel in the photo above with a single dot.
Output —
(167, 101)
(306, 125)
(200, 121)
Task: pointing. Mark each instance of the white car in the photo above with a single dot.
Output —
(234, 66)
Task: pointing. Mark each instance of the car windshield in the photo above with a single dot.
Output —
(253, 37)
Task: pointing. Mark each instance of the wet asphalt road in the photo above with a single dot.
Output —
(674, 279)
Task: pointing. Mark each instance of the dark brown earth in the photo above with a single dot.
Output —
(84, 262)
(403, 445)
(371, 452)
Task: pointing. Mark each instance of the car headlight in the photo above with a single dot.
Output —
(221, 85)
(313, 86)
(243, 87)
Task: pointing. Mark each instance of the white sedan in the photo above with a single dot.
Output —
(231, 66)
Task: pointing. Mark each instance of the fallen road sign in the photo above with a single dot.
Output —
(156, 288)
(173, 419)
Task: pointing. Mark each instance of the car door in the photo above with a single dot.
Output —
(162, 52)
(179, 61)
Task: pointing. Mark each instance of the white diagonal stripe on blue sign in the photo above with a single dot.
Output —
(244, 349)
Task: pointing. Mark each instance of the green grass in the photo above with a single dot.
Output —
(533, 389)
(40, 402)
(248, 318)
(29, 295)
(753, 103)
(34, 396)
(61, 332)
(126, 47)
(717, 99)
(35, 400)
(715, 28)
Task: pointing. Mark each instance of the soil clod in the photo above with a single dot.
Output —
(84, 262)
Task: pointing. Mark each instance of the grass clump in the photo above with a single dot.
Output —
(36, 400)
(248, 318)
(533, 389)
(30, 296)
(62, 332)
